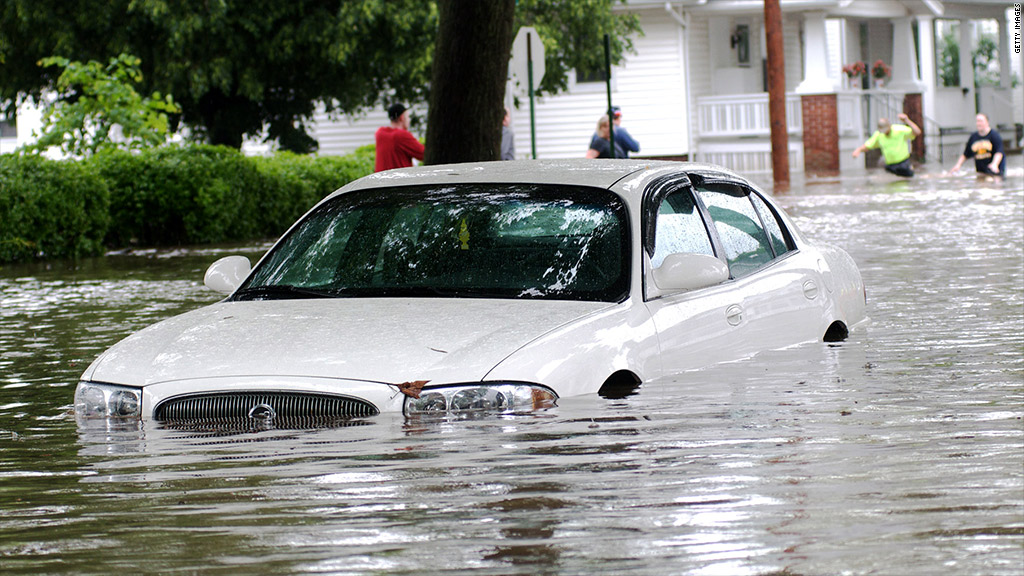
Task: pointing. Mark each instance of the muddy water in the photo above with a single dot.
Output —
(900, 451)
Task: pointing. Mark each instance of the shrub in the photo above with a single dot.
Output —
(295, 183)
(203, 194)
(179, 195)
(159, 197)
(50, 209)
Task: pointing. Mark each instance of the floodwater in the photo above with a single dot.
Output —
(899, 451)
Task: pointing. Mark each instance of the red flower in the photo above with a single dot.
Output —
(856, 69)
(880, 70)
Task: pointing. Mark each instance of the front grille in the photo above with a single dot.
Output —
(266, 409)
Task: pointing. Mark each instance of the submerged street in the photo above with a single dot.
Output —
(898, 451)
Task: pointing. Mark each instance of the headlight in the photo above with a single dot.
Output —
(497, 397)
(107, 401)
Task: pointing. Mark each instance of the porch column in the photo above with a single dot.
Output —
(904, 57)
(926, 36)
(815, 79)
(969, 105)
(912, 108)
(820, 115)
(1004, 54)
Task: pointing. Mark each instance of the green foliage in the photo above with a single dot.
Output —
(202, 194)
(949, 59)
(159, 197)
(98, 108)
(180, 195)
(573, 35)
(985, 59)
(239, 67)
(50, 209)
(295, 183)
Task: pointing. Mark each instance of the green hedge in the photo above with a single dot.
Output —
(160, 197)
(296, 183)
(50, 209)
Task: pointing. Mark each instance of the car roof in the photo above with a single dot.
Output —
(627, 177)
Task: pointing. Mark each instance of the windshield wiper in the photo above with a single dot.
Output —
(280, 292)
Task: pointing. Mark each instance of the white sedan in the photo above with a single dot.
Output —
(496, 286)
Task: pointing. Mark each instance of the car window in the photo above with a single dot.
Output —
(771, 225)
(679, 228)
(502, 241)
(745, 241)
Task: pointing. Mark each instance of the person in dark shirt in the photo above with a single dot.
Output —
(986, 147)
(600, 144)
(622, 136)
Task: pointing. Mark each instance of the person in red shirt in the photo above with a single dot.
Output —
(396, 146)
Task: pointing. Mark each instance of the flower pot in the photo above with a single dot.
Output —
(879, 83)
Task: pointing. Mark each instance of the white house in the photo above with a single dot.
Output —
(695, 88)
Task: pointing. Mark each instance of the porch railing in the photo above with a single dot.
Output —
(885, 104)
(742, 115)
(724, 121)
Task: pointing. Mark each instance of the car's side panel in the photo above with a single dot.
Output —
(578, 357)
(784, 303)
(694, 328)
(843, 280)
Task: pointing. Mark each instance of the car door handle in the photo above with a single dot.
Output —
(810, 289)
(734, 314)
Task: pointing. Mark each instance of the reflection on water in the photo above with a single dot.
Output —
(897, 452)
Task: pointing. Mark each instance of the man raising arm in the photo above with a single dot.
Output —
(892, 139)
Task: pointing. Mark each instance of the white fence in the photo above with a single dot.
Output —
(734, 130)
(742, 115)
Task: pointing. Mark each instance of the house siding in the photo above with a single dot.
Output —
(700, 70)
(344, 134)
(649, 86)
(751, 153)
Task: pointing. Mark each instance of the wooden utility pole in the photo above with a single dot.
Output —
(777, 93)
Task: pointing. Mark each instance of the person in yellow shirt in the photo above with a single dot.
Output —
(893, 140)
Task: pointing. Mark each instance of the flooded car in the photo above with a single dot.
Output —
(496, 287)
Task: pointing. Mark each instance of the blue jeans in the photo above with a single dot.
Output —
(901, 169)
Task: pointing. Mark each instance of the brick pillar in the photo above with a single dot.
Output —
(821, 134)
(912, 107)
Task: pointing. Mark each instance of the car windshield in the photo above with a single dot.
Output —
(476, 240)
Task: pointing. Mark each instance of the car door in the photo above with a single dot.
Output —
(693, 326)
(778, 299)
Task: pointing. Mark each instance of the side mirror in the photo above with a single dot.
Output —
(685, 271)
(227, 274)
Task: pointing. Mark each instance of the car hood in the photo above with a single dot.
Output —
(377, 340)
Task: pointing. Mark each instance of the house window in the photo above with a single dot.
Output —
(985, 53)
(596, 74)
(589, 80)
(947, 52)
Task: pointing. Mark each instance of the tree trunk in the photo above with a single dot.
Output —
(474, 43)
